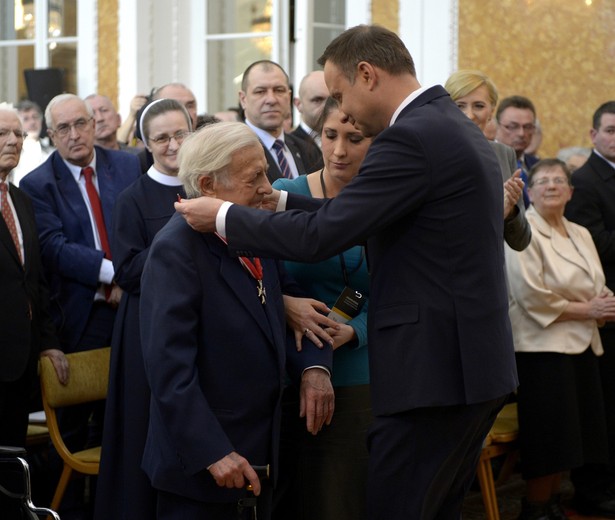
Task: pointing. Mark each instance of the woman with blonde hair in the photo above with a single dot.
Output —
(477, 96)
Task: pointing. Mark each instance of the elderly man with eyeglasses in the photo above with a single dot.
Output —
(73, 192)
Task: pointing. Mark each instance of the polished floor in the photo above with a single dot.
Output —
(509, 501)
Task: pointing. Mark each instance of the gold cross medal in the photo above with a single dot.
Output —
(262, 292)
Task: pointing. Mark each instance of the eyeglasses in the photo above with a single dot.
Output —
(64, 129)
(543, 181)
(164, 140)
(5, 132)
(514, 127)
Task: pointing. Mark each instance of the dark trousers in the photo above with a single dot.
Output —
(174, 507)
(15, 399)
(596, 482)
(422, 462)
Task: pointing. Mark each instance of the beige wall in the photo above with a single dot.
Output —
(386, 13)
(108, 49)
(559, 53)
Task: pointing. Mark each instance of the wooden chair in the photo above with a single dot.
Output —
(89, 376)
(501, 440)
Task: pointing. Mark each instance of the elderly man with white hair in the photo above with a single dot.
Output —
(215, 347)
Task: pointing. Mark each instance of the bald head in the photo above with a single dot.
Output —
(179, 92)
(312, 96)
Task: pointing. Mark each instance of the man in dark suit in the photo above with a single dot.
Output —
(27, 329)
(73, 194)
(213, 335)
(265, 99)
(592, 205)
(311, 99)
(430, 208)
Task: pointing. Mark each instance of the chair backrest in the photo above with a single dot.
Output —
(88, 379)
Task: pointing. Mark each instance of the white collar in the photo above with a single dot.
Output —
(266, 138)
(163, 178)
(76, 170)
(411, 97)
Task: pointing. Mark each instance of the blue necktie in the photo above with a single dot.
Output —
(278, 145)
(526, 199)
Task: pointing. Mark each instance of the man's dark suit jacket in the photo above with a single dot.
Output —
(430, 208)
(23, 291)
(593, 206)
(71, 261)
(299, 151)
(313, 161)
(24, 317)
(215, 359)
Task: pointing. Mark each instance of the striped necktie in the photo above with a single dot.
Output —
(278, 145)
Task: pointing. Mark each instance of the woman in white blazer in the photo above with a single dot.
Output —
(558, 298)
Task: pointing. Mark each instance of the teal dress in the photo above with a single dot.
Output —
(324, 476)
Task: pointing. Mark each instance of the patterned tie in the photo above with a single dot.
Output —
(278, 145)
(8, 217)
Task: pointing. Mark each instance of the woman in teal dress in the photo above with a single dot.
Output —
(324, 476)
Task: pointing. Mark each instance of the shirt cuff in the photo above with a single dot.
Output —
(282, 201)
(221, 218)
(106, 272)
(316, 366)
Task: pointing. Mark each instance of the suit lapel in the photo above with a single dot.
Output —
(7, 240)
(106, 187)
(241, 283)
(294, 150)
(603, 169)
(70, 192)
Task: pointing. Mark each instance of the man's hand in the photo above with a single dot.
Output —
(115, 296)
(317, 400)
(200, 213)
(59, 362)
(305, 317)
(233, 470)
(513, 191)
(270, 201)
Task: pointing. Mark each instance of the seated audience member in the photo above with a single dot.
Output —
(337, 458)
(27, 329)
(574, 156)
(141, 210)
(476, 95)
(214, 346)
(558, 298)
(35, 148)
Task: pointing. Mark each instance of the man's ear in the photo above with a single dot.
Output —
(366, 74)
(207, 186)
